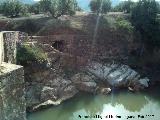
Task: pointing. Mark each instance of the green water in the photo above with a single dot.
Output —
(123, 103)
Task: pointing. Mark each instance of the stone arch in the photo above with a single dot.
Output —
(59, 45)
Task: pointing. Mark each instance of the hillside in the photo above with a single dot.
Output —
(41, 24)
(113, 30)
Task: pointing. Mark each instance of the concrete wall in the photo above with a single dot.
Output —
(12, 92)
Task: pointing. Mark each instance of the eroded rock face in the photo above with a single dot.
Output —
(54, 96)
(47, 87)
(85, 82)
(50, 89)
(32, 95)
(117, 75)
(48, 93)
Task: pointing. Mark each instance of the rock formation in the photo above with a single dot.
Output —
(118, 75)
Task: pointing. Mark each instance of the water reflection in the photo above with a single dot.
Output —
(123, 103)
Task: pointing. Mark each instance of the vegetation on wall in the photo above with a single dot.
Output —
(27, 54)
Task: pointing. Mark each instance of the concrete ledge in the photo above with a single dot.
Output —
(12, 92)
(6, 68)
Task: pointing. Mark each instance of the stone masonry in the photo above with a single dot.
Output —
(12, 89)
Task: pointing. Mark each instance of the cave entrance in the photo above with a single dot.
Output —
(59, 45)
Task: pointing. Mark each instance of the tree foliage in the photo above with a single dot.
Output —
(144, 18)
(158, 4)
(45, 5)
(125, 6)
(100, 6)
(35, 8)
(12, 8)
(59, 7)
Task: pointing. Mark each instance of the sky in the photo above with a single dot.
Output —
(89, 0)
(84, 4)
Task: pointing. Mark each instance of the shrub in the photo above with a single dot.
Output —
(27, 54)
(124, 25)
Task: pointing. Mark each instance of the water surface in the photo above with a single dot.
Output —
(124, 104)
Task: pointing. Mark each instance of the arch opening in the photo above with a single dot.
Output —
(59, 45)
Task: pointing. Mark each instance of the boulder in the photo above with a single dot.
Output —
(144, 82)
(105, 91)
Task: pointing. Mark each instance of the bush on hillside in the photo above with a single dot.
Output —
(27, 54)
(124, 25)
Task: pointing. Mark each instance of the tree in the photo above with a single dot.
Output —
(1, 8)
(24, 10)
(45, 5)
(144, 18)
(125, 6)
(100, 6)
(158, 4)
(12, 8)
(35, 8)
(59, 7)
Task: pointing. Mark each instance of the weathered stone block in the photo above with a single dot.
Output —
(12, 92)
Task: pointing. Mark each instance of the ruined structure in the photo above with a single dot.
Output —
(12, 92)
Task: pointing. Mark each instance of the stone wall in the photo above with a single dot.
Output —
(116, 46)
(12, 92)
(8, 45)
(10, 39)
(12, 88)
(1, 48)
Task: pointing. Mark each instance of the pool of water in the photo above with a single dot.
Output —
(122, 105)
